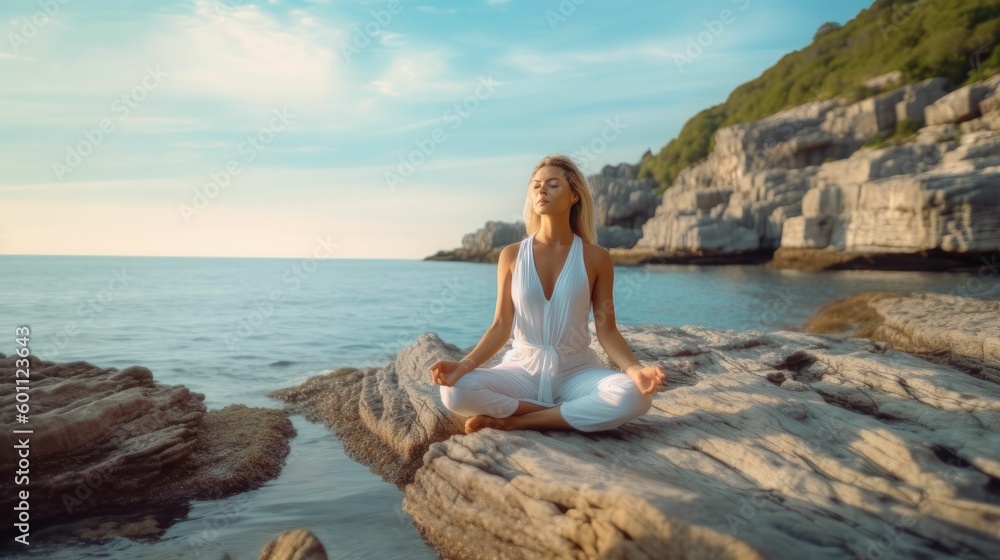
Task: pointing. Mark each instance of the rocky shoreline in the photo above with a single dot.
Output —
(467, 255)
(875, 432)
(786, 258)
(639, 256)
(627, 257)
(765, 445)
(926, 260)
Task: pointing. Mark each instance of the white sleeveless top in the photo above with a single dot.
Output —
(550, 336)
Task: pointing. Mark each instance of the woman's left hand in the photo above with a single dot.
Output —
(647, 378)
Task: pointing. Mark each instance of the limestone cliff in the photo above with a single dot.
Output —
(802, 182)
(909, 178)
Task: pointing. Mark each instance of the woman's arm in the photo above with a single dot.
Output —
(647, 378)
(498, 333)
(602, 298)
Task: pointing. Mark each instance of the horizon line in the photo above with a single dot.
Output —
(207, 257)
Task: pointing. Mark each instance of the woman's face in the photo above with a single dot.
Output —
(550, 191)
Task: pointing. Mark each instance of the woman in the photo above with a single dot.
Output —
(546, 283)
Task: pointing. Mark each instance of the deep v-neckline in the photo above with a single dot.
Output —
(538, 278)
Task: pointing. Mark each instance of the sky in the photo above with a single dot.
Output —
(367, 129)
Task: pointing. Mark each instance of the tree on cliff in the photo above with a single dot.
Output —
(826, 28)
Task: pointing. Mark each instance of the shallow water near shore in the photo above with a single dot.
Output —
(236, 329)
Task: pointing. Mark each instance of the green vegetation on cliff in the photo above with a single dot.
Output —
(920, 38)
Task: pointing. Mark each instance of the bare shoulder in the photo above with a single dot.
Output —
(596, 256)
(508, 255)
(510, 251)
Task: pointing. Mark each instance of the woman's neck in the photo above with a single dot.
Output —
(550, 233)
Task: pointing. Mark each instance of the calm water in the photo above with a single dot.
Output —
(235, 329)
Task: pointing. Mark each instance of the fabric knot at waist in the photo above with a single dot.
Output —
(549, 365)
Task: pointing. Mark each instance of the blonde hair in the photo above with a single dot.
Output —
(581, 214)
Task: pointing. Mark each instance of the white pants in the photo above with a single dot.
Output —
(591, 397)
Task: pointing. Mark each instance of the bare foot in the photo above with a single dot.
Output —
(481, 421)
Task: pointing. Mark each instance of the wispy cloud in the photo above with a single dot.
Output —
(247, 55)
(415, 72)
(390, 39)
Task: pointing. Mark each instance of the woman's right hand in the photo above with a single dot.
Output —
(448, 372)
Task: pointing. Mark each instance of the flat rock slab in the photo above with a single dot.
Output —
(764, 445)
(108, 441)
(932, 322)
(961, 332)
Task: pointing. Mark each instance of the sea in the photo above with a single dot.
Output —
(235, 329)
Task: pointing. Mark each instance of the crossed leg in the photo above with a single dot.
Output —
(590, 398)
(501, 397)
